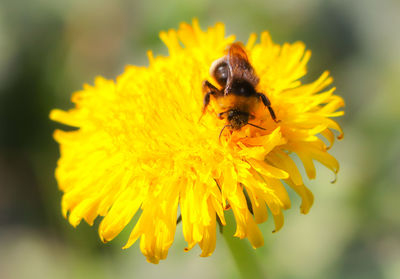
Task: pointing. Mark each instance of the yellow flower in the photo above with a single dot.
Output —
(141, 149)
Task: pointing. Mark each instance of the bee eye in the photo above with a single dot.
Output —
(231, 114)
(221, 73)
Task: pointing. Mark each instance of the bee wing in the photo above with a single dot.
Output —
(237, 53)
(238, 60)
(239, 66)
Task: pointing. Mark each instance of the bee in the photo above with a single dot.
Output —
(237, 97)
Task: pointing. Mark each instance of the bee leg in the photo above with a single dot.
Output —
(209, 90)
(206, 101)
(220, 115)
(267, 103)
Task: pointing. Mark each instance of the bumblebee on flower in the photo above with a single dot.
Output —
(238, 97)
(140, 148)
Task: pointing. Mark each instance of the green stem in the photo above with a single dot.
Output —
(242, 252)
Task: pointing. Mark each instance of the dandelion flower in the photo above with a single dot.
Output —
(139, 147)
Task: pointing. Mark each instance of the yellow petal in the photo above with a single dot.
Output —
(268, 170)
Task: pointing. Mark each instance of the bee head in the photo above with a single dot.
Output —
(238, 118)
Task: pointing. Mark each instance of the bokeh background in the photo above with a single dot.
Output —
(48, 49)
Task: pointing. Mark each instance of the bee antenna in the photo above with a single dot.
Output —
(256, 126)
(219, 138)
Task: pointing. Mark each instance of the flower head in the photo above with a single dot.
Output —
(140, 147)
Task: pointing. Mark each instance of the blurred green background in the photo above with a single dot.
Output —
(48, 49)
